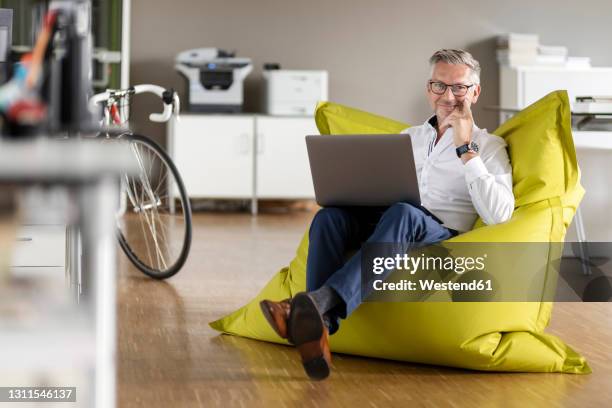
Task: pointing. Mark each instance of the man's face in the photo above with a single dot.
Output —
(450, 74)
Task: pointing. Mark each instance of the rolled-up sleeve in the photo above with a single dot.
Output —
(489, 181)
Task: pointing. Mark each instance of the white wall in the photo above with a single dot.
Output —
(376, 51)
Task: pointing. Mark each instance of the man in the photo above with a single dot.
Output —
(463, 172)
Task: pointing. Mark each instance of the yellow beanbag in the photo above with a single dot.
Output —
(503, 336)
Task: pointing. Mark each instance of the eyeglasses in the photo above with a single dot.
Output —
(439, 88)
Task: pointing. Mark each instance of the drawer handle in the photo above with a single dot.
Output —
(24, 239)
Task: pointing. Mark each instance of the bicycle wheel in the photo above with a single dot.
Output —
(154, 226)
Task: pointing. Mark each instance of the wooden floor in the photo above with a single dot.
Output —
(169, 357)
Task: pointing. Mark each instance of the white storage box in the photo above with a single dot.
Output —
(294, 93)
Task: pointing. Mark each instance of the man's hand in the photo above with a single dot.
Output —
(461, 121)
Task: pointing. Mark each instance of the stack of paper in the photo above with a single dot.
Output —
(517, 49)
(514, 49)
(578, 62)
(552, 55)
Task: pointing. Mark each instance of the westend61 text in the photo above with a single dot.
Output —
(429, 285)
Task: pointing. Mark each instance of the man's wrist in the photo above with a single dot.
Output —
(467, 156)
(467, 151)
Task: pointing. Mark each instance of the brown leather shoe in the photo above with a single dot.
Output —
(309, 334)
(277, 315)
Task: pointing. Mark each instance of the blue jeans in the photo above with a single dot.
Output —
(336, 230)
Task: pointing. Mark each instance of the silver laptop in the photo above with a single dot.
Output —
(363, 170)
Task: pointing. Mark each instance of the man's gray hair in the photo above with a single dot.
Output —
(455, 57)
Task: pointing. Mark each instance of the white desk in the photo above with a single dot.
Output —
(89, 171)
(593, 222)
(593, 150)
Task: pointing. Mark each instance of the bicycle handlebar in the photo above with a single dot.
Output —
(170, 99)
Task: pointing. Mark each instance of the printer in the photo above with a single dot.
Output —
(214, 79)
(293, 92)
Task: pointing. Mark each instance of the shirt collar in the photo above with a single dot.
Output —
(431, 122)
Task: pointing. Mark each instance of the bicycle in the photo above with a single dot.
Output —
(154, 222)
(48, 94)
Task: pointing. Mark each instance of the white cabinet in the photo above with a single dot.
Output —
(243, 156)
(283, 170)
(40, 245)
(39, 249)
(521, 86)
(214, 155)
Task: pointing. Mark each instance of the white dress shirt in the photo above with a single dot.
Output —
(457, 193)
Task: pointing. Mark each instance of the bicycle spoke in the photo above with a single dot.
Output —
(144, 219)
(146, 239)
(153, 222)
(159, 184)
(163, 172)
(149, 217)
(162, 238)
(159, 253)
(149, 154)
(153, 230)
